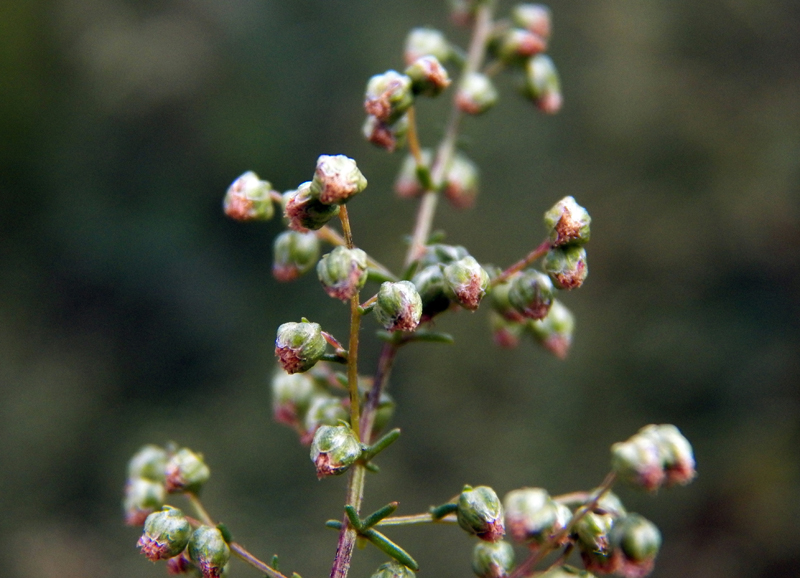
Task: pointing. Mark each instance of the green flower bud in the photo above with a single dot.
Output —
(325, 409)
(638, 461)
(593, 531)
(343, 272)
(303, 212)
(635, 543)
(149, 463)
(430, 286)
(466, 282)
(384, 414)
(334, 450)
(567, 266)
(481, 513)
(555, 331)
(501, 303)
(299, 346)
(461, 182)
(388, 96)
(186, 471)
(568, 223)
(399, 306)
(407, 184)
(677, 454)
(336, 180)
(426, 42)
(533, 17)
(388, 136)
(428, 76)
(294, 254)
(476, 94)
(393, 569)
(531, 294)
(542, 84)
(440, 253)
(142, 498)
(492, 560)
(292, 396)
(505, 333)
(209, 551)
(166, 534)
(249, 199)
(514, 45)
(534, 517)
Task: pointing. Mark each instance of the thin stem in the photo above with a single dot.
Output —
(355, 327)
(416, 519)
(531, 257)
(413, 138)
(199, 509)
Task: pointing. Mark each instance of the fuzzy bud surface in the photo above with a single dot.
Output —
(209, 551)
(542, 84)
(428, 76)
(481, 513)
(299, 346)
(294, 254)
(533, 516)
(388, 96)
(531, 294)
(186, 471)
(568, 223)
(149, 463)
(334, 450)
(555, 331)
(399, 306)
(476, 94)
(492, 559)
(336, 180)
(303, 212)
(166, 534)
(142, 498)
(466, 282)
(422, 42)
(343, 272)
(567, 266)
(249, 199)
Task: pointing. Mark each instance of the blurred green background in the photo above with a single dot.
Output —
(132, 311)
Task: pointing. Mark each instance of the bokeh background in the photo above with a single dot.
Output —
(132, 311)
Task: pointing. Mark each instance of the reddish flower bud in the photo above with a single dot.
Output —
(299, 346)
(567, 266)
(476, 94)
(343, 272)
(481, 513)
(388, 96)
(466, 282)
(249, 199)
(334, 450)
(336, 180)
(568, 223)
(428, 76)
(426, 42)
(209, 551)
(533, 17)
(294, 254)
(407, 184)
(385, 135)
(304, 212)
(399, 306)
(554, 332)
(461, 182)
(186, 471)
(142, 498)
(542, 84)
(166, 534)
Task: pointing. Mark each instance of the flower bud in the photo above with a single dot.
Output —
(407, 184)
(461, 182)
(441, 253)
(294, 254)
(481, 513)
(677, 454)
(388, 96)
(209, 551)
(304, 212)
(476, 94)
(343, 272)
(542, 84)
(428, 76)
(249, 199)
(555, 331)
(430, 286)
(492, 560)
(393, 569)
(166, 534)
(462, 11)
(299, 346)
(567, 266)
(533, 17)
(635, 542)
(324, 409)
(466, 282)
(334, 449)
(533, 516)
(568, 223)
(383, 416)
(593, 532)
(501, 303)
(142, 498)
(505, 333)
(399, 306)
(426, 42)
(186, 471)
(336, 180)
(531, 294)
(515, 45)
(292, 396)
(149, 463)
(385, 135)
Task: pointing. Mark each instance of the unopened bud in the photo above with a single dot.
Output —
(407, 184)
(533, 516)
(476, 94)
(334, 450)
(249, 199)
(388, 96)
(531, 294)
(304, 212)
(492, 560)
(399, 306)
(324, 409)
(426, 42)
(501, 303)
(593, 532)
(388, 136)
(635, 544)
(428, 76)
(186, 471)
(542, 84)
(291, 396)
(336, 180)
(142, 498)
(299, 346)
(441, 253)
(533, 17)
(568, 223)
(677, 453)
(481, 513)
(461, 182)
(209, 551)
(294, 254)
(567, 266)
(149, 463)
(466, 282)
(343, 272)
(505, 333)
(166, 534)
(429, 282)
(555, 331)
(393, 569)
(462, 11)
(515, 45)
(638, 461)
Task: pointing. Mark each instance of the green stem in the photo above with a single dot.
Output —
(416, 519)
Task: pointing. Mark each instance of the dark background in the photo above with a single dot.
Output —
(132, 311)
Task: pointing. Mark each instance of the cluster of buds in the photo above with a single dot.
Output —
(656, 455)
(534, 518)
(480, 513)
